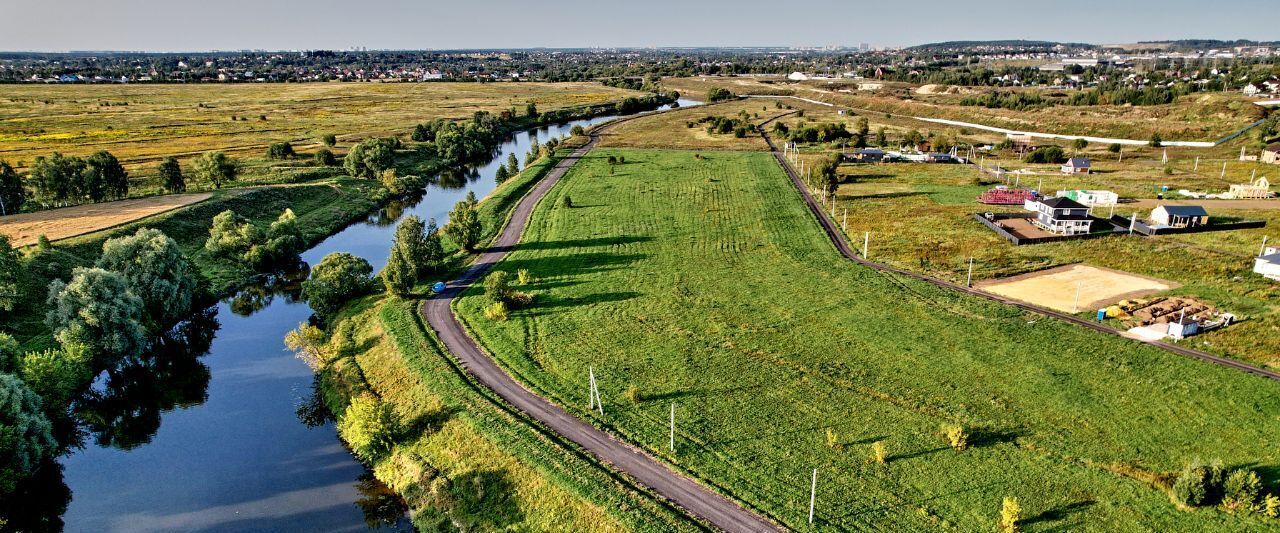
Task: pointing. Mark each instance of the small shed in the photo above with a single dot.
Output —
(868, 155)
(1180, 216)
(1184, 327)
(1268, 264)
(1271, 154)
(936, 157)
(1076, 165)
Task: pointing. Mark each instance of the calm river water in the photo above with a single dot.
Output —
(215, 432)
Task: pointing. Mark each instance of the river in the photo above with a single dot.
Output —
(217, 429)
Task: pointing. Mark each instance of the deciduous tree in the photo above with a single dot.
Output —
(97, 310)
(156, 270)
(338, 277)
(171, 175)
(216, 168)
(26, 436)
(12, 193)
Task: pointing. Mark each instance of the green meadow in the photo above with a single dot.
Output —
(706, 283)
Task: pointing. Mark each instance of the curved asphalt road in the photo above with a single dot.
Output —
(679, 489)
(842, 245)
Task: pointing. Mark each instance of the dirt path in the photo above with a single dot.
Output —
(24, 228)
(841, 244)
(683, 491)
(1207, 203)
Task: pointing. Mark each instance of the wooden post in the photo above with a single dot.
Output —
(671, 440)
(866, 242)
(1197, 165)
(1263, 250)
(1121, 154)
(1075, 308)
(813, 494)
(1224, 170)
(968, 282)
(844, 225)
(591, 388)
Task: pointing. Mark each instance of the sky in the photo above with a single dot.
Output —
(199, 25)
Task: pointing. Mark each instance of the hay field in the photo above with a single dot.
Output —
(1056, 288)
(24, 228)
(672, 129)
(141, 124)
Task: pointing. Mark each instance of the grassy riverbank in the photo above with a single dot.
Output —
(466, 458)
(706, 282)
(322, 209)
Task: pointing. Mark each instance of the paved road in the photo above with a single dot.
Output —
(694, 498)
(842, 245)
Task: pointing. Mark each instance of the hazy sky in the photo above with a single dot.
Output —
(193, 25)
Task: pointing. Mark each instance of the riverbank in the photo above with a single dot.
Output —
(513, 474)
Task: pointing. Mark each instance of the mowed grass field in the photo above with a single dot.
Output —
(141, 124)
(921, 218)
(707, 284)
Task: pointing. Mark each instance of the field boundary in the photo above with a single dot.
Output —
(841, 245)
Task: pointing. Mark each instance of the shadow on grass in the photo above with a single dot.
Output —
(983, 437)
(573, 243)
(1060, 512)
(549, 304)
(486, 500)
(883, 195)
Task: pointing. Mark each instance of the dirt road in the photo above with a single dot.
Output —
(684, 492)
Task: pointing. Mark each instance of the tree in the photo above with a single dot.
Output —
(26, 436)
(55, 180)
(464, 225)
(12, 193)
(1079, 144)
(9, 352)
(57, 374)
(431, 254)
(531, 110)
(369, 158)
(913, 138)
(1114, 148)
(231, 235)
(577, 130)
(1155, 141)
(97, 310)
(717, 94)
(171, 175)
(329, 140)
(11, 275)
(216, 168)
(826, 171)
(369, 426)
(881, 139)
(156, 272)
(398, 276)
(339, 277)
(513, 165)
(1242, 489)
(104, 177)
(501, 175)
(497, 286)
(283, 241)
(280, 150)
(325, 158)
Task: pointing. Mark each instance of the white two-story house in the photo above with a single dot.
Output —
(1060, 216)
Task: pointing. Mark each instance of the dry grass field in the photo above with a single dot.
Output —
(1056, 288)
(143, 123)
(673, 130)
(25, 228)
(1202, 117)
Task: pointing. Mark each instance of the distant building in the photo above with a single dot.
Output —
(1251, 90)
(935, 157)
(1180, 216)
(1060, 216)
(1268, 264)
(1271, 154)
(1076, 165)
(1091, 198)
(868, 155)
(797, 76)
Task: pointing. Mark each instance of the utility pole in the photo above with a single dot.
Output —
(968, 282)
(596, 401)
(1121, 154)
(671, 440)
(813, 494)
(1197, 165)
(1224, 170)
(844, 224)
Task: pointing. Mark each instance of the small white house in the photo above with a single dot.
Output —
(1091, 198)
(1060, 216)
(1268, 264)
(1076, 165)
(1179, 216)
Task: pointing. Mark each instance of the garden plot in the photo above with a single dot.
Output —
(1056, 288)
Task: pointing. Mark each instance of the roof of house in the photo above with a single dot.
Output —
(1185, 210)
(1078, 162)
(870, 151)
(1271, 258)
(1061, 202)
(1274, 148)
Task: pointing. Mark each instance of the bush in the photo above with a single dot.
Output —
(879, 452)
(1115, 148)
(577, 130)
(329, 139)
(496, 311)
(1242, 490)
(955, 435)
(1010, 513)
(1046, 154)
(1199, 484)
(1155, 141)
(497, 286)
(633, 394)
(719, 94)
(231, 235)
(1271, 506)
(566, 201)
(523, 276)
(369, 426)
(280, 150)
(325, 158)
